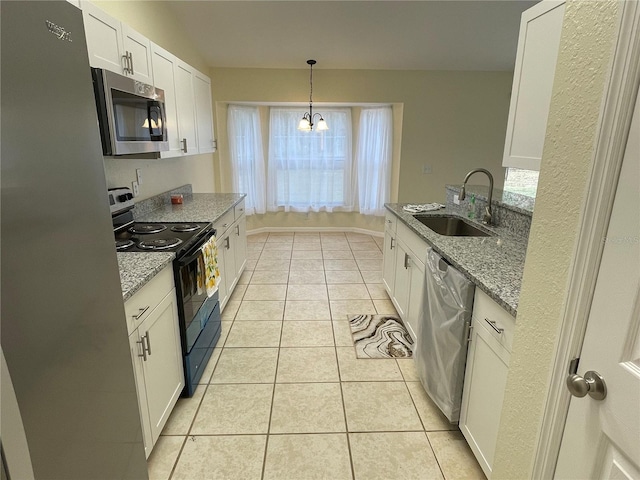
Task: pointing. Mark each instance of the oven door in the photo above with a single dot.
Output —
(195, 308)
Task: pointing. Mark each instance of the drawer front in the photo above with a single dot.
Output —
(223, 223)
(390, 221)
(142, 303)
(496, 320)
(414, 243)
(239, 210)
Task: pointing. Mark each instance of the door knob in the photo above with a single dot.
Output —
(592, 383)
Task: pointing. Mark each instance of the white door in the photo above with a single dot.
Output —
(602, 438)
(163, 64)
(104, 39)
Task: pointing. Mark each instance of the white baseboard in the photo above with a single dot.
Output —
(364, 231)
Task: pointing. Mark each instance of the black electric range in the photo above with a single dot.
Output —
(198, 314)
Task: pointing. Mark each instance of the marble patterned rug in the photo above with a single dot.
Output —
(380, 336)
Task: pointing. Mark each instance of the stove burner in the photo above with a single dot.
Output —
(185, 227)
(145, 228)
(124, 244)
(159, 243)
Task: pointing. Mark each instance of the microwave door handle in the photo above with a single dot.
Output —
(153, 110)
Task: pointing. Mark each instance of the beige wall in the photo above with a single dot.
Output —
(583, 62)
(155, 21)
(452, 121)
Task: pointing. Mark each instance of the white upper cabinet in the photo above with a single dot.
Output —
(185, 99)
(164, 66)
(538, 44)
(116, 47)
(204, 114)
(138, 48)
(104, 39)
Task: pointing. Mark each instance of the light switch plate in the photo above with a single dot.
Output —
(139, 175)
(135, 188)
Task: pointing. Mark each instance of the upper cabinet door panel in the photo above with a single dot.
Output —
(139, 48)
(186, 108)
(538, 44)
(204, 117)
(104, 39)
(163, 64)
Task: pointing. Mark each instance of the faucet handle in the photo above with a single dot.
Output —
(487, 220)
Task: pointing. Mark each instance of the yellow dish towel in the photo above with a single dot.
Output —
(208, 272)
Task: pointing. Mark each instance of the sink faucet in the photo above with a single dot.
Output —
(486, 218)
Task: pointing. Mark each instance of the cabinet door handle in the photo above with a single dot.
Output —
(406, 261)
(391, 243)
(125, 59)
(184, 145)
(148, 343)
(493, 325)
(144, 351)
(131, 62)
(238, 230)
(141, 312)
(227, 244)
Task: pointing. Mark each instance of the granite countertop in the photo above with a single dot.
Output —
(494, 264)
(197, 207)
(137, 268)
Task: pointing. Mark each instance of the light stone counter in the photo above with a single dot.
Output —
(197, 207)
(137, 268)
(494, 264)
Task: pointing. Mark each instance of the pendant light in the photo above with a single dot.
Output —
(306, 124)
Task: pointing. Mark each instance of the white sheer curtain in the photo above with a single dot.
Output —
(373, 159)
(247, 158)
(310, 171)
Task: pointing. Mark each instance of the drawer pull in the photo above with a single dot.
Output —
(141, 312)
(493, 325)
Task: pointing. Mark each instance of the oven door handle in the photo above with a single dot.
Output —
(195, 251)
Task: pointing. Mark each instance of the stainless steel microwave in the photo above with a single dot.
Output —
(131, 114)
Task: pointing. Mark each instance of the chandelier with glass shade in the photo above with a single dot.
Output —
(306, 123)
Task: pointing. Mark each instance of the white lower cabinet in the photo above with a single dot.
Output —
(486, 378)
(156, 353)
(403, 271)
(231, 238)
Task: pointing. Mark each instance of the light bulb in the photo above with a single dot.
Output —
(304, 125)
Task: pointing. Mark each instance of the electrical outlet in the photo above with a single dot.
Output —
(139, 175)
(426, 169)
(135, 188)
(456, 199)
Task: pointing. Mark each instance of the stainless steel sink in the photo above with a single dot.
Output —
(450, 226)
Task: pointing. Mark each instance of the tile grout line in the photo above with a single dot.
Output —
(275, 377)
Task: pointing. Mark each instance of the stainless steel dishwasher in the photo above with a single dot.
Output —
(443, 330)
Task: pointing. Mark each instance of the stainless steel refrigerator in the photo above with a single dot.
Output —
(69, 405)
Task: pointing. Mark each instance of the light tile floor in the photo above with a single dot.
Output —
(284, 397)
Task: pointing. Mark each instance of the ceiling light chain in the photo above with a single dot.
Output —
(306, 124)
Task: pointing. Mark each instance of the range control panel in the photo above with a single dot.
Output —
(120, 199)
